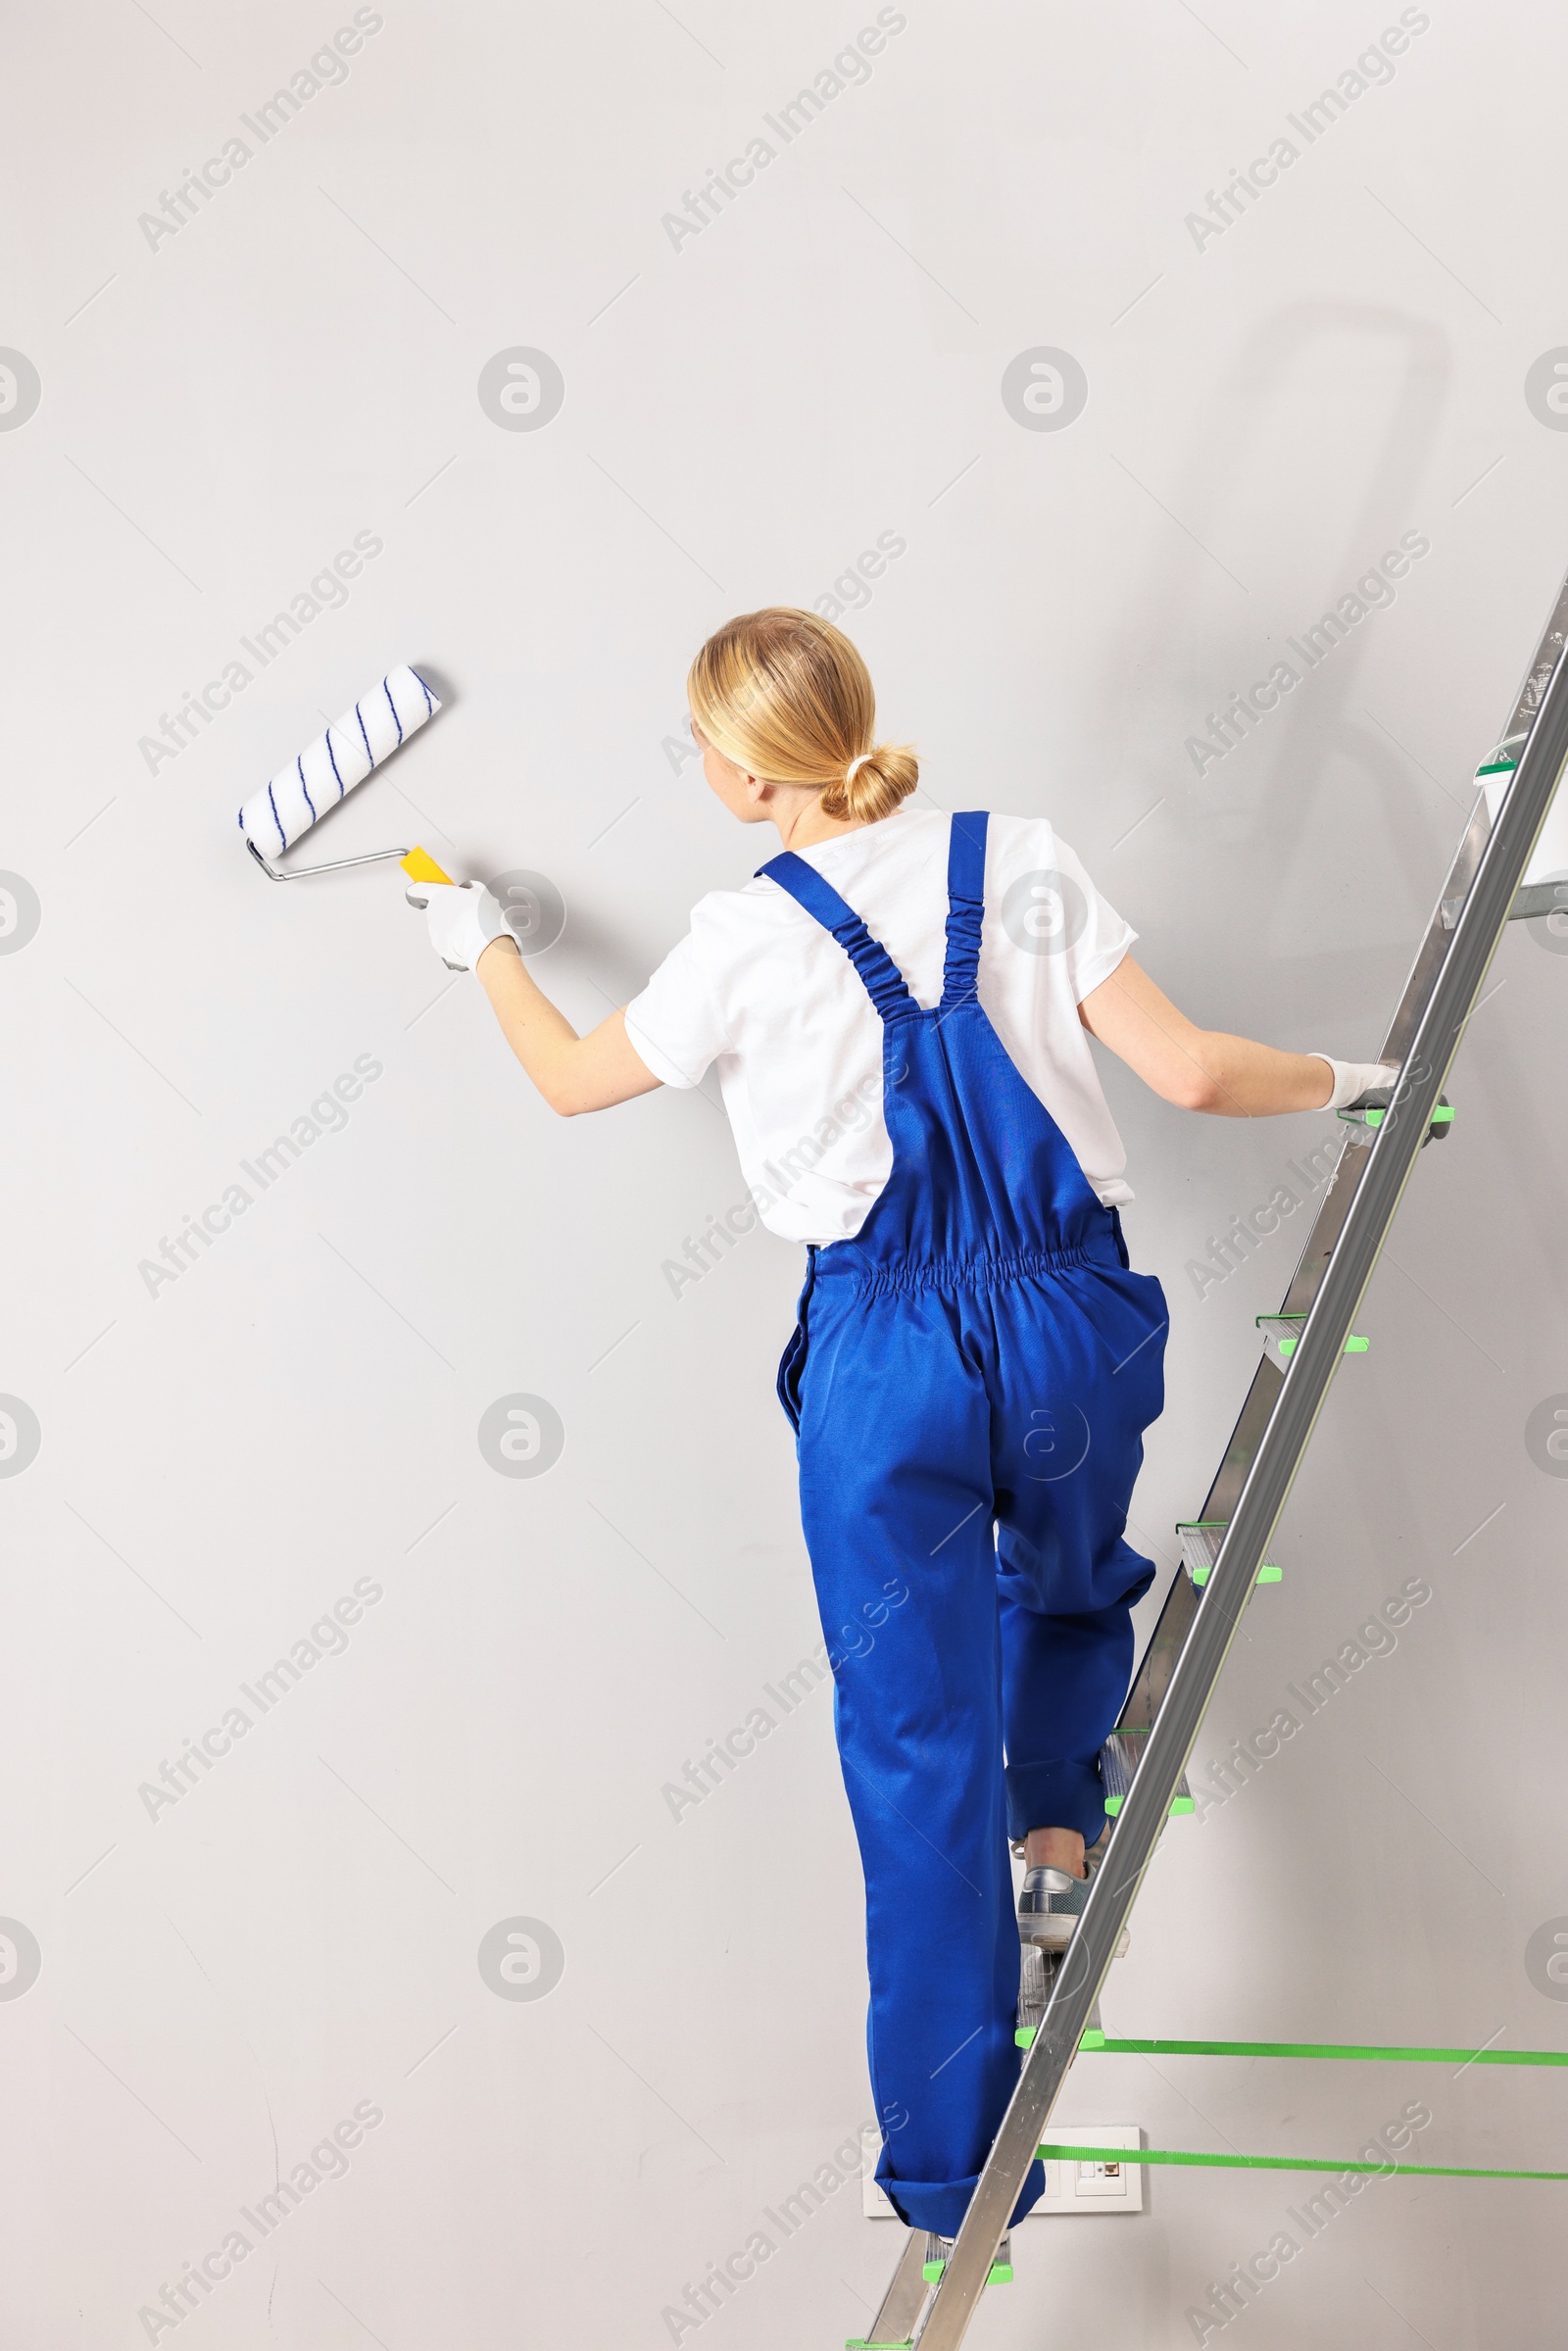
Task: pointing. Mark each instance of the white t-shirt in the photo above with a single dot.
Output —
(759, 988)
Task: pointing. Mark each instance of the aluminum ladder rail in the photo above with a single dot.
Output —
(1186, 1654)
(1153, 1677)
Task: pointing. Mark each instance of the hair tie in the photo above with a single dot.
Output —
(849, 772)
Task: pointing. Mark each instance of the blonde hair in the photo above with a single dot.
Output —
(786, 696)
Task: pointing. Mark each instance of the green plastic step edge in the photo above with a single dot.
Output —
(1201, 1574)
(1442, 1117)
(998, 2274)
(1287, 1347)
(1180, 1804)
(1498, 768)
(1095, 2041)
(1051, 2153)
(857, 2342)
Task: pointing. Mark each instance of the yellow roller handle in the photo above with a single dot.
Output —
(421, 867)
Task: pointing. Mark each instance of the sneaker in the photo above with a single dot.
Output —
(1051, 1904)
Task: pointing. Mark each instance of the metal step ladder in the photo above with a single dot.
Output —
(1223, 1550)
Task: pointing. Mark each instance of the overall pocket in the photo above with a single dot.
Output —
(792, 1363)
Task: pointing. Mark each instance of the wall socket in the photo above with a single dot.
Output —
(1093, 2187)
(1078, 2187)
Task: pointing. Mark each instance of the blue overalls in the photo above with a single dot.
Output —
(969, 1381)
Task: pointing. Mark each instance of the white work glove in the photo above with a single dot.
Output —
(463, 919)
(1352, 1079)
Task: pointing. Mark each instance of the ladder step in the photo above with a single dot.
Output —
(1036, 1975)
(1442, 1117)
(998, 2274)
(1532, 899)
(1118, 1761)
(1373, 1107)
(1287, 1330)
(1200, 1539)
(1094, 2038)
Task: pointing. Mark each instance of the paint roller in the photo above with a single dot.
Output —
(326, 772)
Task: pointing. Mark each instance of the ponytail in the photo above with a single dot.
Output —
(873, 784)
(786, 696)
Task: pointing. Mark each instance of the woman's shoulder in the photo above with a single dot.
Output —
(1011, 836)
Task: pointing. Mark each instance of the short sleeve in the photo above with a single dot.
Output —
(674, 1024)
(1096, 936)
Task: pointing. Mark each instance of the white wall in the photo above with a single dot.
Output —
(220, 412)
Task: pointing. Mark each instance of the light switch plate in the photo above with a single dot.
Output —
(873, 2203)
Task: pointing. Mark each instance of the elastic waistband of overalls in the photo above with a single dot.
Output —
(856, 1276)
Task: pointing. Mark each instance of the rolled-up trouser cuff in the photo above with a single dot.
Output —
(941, 2204)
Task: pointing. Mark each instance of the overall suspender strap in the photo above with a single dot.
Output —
(884, 982)
(967, 897)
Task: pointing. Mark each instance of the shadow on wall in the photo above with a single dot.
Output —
(1230, 478)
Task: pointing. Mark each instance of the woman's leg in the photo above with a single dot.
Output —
(1081, 1378)
(1064, 1677)
(897, 1506)
(1057, 1849)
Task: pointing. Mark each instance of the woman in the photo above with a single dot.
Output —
(897, 1007)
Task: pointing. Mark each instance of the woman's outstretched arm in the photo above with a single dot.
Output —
(1201, 1069)
(573, 1073)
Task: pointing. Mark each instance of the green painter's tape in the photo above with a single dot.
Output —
(1095, 2042)
(1378, 2051)
(1051, 2153)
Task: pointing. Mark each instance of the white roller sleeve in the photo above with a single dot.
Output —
(330, 766)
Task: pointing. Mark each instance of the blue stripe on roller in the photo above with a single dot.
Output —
(333, 757)
(368, 753)
(305, 786)
(393, 707)
(430, 698)
(282, 837)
